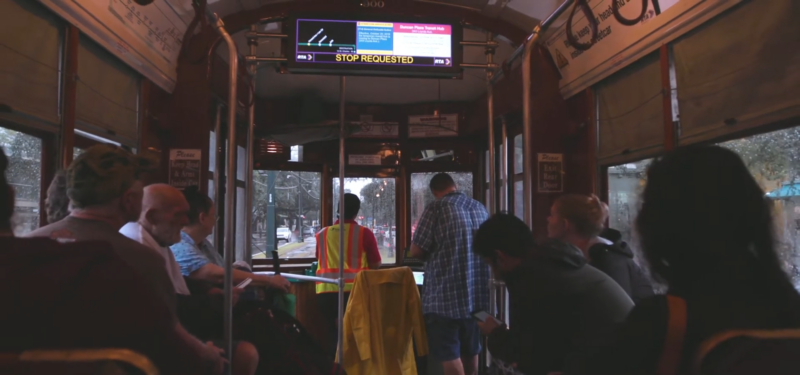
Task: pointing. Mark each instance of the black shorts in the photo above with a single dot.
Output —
(450, 339)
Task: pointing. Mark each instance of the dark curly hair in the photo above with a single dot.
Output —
(198, 203)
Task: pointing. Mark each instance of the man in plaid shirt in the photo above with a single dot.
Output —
(456, 281)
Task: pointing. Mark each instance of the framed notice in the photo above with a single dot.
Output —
(370, 129)
(365, 160)
(551, 173)
(428, 126)
(184, 168)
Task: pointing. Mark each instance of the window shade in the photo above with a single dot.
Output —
(631, 112)
(108, 93)
(739, 71)
(30, 42)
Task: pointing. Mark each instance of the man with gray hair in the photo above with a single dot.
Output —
(105, 191)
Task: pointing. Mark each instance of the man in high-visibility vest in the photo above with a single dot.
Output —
(360, 253)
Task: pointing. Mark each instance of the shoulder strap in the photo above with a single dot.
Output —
(670, 359)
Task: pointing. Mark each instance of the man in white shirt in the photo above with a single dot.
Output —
(164, 213)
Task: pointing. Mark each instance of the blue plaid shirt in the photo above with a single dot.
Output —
(456, 280)
(191, 257)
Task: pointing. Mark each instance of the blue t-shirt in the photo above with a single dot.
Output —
(191, 257)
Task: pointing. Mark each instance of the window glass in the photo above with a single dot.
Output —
(421, 194)
(625, 184)
(519, 206)
(378, 210)
(24, 175)
(212, 152)
(518, 155)
(486, 166)
(774, 160)
(241, 162)
(286, 213)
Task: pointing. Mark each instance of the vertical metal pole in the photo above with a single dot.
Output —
(218, 172)
(491, 204)
(248, 178)
(504, 166)
(527, 124)
(340, 340)
(230, 185)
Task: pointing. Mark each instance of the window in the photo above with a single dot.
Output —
(519, 195)
(625, 184)
(24, 175)
(421, 195)
(518, 155)
(774, 160)
(286, 213)
(378, 210)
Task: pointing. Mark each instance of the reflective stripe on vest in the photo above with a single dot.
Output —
(355, 257)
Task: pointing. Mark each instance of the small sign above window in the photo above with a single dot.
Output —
(427, 126)
(365, 160)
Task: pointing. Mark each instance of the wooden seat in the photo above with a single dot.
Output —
(767, 352)
(77, 362)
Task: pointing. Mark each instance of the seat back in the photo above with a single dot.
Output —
(763, 352)
(77, 362)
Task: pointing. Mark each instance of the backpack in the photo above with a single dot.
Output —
(734, 352)
(284, 345)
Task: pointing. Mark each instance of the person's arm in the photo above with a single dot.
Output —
(424, 241)
(216, 274)
(371, 247)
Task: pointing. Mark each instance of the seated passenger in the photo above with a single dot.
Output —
(57, 202)
(561, 308)
(706, 229)
(579, 219)
(57, 305)
(360, 253)
(197, 258)
(105, 193)
(163, 214)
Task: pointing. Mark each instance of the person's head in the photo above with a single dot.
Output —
(164, 213)
(57, 202)
(442, 184)
(576, 216)
(202, 213)
(351, 206)
(701, 208)
(6, 196)
(503, 242)
(106, 177)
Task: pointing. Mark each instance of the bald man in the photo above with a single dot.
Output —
(164, 213)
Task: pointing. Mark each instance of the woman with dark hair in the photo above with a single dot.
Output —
(706, 230)
(198, 258)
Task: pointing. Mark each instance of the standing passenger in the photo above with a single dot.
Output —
(456, 281)
(361, 253)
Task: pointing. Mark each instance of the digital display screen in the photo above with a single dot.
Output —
(374, 43)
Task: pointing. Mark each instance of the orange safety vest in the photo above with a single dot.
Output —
(355, 258)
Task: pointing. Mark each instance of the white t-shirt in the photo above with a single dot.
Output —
(135, 232)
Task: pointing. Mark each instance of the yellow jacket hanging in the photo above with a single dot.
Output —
(383, 315)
